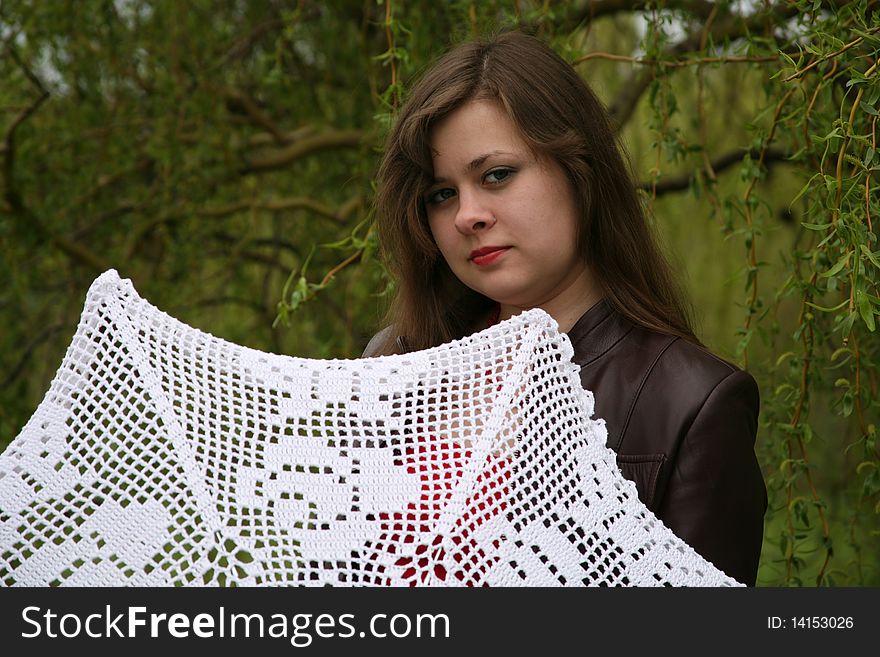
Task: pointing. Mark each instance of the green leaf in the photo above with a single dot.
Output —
(844, 259)
(866, 310)
(847, 403)
(784, 387)
(871, 483)
(828, 310)
(808, 433)
(804, 189)
(847, 323)
(865, 465)
(743, 343)
(871, 256)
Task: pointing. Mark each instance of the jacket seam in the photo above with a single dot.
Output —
(638, 392)
(700, 410)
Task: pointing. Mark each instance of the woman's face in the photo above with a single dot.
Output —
(504, 220)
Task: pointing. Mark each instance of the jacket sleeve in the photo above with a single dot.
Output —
(716, 498)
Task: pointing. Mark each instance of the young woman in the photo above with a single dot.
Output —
(502, 189)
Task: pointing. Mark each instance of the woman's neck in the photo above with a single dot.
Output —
(567, 306)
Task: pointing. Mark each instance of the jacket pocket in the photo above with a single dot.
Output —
(644, 470)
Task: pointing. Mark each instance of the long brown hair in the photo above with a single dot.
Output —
(557, 115)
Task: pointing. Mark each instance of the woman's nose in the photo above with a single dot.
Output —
(473, 215)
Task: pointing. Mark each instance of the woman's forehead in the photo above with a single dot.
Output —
(475, 131)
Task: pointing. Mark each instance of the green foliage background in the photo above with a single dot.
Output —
(221, 154)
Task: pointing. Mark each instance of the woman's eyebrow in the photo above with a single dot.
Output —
(477, 162)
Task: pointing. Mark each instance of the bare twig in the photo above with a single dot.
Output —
(845, 143)
(681, 63)
(832, 55)
(350, 260)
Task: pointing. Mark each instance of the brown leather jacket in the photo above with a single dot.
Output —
(683, 424)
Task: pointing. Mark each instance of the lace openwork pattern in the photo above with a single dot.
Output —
(162, 455)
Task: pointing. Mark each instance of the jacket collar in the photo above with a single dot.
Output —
(596, 332)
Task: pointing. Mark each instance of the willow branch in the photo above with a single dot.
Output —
(266, 139)
(252, 256)
(832, 55)
(103, 183)
(728, 27)
(76, 252)
(350, 260)
(229, 300)
(586, 12)
(275, 243)
(589, 11)
(12, 197)
(339, 216)
(257, 115)
(719, 164)
(328, 140)
(40, 338)
(681, 63)
(245, 44)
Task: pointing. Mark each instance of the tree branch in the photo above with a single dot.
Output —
(324, 141)
(339, 216)
(586, 12)
(106, 181)
(221, 301)
(257, 115)
(252, 256)
(14, 201)
(727, 27)
(266, 139)
(275, 243)
(41, 337)
(719, 164)
(244, 45)
(12, 197)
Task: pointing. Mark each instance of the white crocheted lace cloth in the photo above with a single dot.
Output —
(162, 455)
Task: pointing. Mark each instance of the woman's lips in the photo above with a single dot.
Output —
(488, 255)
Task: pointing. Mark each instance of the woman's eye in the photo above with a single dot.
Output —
(496, 176)
(440, 195)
